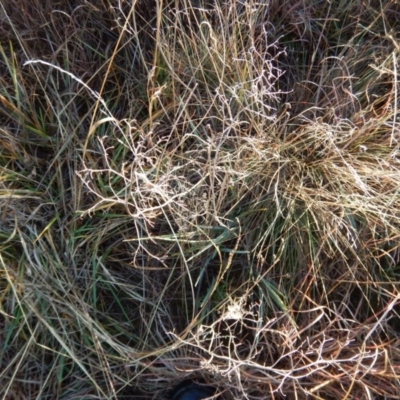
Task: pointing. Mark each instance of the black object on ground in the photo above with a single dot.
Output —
(189, 390)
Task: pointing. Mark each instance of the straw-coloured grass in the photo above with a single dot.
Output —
(202, 190)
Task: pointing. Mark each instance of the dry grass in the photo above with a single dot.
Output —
(205, 190)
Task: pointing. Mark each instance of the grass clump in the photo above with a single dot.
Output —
(203, 190)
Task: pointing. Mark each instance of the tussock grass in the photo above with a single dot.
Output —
(204, 190)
